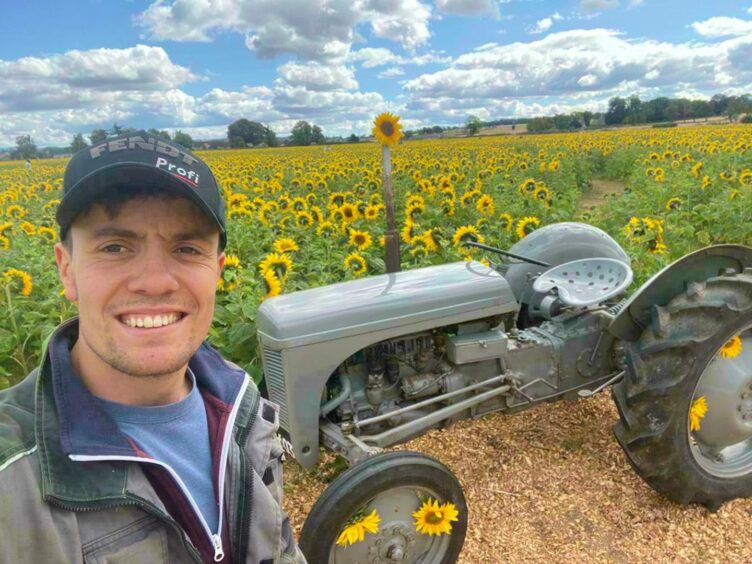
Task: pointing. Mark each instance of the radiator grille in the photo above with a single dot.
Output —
(275, 383)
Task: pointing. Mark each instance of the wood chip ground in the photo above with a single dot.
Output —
(552, 485)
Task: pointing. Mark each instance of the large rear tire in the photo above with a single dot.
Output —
(392, 484)
(676, 362)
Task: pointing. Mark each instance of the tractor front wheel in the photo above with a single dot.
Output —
(685, 404)
(368, 514)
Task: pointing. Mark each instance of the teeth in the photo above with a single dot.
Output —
(150, 321)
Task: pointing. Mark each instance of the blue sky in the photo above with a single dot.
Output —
(197, 65)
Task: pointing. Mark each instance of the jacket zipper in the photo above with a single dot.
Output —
(215, 539)
(245, 513)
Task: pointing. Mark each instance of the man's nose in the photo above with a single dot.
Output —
(154, 273)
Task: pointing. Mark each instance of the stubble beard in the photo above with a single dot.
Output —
(131, 365)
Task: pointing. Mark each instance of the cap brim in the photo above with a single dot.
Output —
(128, 174)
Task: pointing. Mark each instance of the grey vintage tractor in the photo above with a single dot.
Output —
(362, 365)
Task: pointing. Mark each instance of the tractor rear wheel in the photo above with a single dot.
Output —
(685, 404)
(376, 501)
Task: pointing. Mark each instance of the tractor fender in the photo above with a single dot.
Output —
(635, 315)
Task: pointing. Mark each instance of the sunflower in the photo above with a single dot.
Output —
(355, 530)
(23, 277)
(230, 278)
(466, 233)
(387, 129)
(28, 228)
(349, 212)
(673, 204)
(506, 221)
(325, 227)
(485, 205)
(285, 246)
(4, 242)
(698, 410)
(527, 186)
(355, 264)
(732, 348)
(414, 210)
(371, 212)
(272, 285)
(408, 231)
(434, 519)
(303, 219)
(526, 225)
(745, 178)
(361, 239)
(278, 264)
(696, 169)
(542, 194)
(553, 166)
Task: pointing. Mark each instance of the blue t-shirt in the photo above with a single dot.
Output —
(178, 435)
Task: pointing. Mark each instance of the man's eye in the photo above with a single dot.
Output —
(189, 251)
(114, 249)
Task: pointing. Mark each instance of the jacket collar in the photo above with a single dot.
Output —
(69, 421)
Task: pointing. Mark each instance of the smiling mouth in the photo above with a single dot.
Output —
(151, 321)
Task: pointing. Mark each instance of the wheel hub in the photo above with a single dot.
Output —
(727, 388)
(392, 544)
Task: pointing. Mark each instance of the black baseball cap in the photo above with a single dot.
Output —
(139, 159)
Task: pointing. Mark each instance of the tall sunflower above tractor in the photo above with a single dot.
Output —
(362, 365)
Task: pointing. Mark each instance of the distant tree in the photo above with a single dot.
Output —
(634, 113)
(562, 121)
(302, 133)
(353, 138)
(617, 111)
(270, 137)
(25, 148)
(78, 143)
(116, 130)
(701, 109)
(183, 139)
(97, 136)
(159, 133)
(317, 136)
(251, 132)
(237, 143)
(737, 106)
(473, 124)
(587, 117)
(539, 124)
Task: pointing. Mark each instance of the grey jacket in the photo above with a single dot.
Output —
(75, 489)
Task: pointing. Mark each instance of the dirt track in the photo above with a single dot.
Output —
(552, 485)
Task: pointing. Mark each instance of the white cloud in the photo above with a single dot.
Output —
(595, 5)
(723, 26)
(749, 10)
(311, 29)
(372, 57)
(635, 3)
(542, 26)
(391, 72)
(79, 79)
(580, 63)
(469, 7)
(317, 76)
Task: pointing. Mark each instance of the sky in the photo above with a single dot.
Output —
(198, 65)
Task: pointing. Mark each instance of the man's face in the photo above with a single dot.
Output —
(144, 282)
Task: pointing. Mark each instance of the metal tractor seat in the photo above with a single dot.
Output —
(585, 282)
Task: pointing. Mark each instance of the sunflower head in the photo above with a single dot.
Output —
(434, 519)
(387, 129)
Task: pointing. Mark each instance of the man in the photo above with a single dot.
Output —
(134, 441)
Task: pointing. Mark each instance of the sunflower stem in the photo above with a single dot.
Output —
(391, 238)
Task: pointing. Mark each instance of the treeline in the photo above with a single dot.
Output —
(26, 149)
(246, 133)
(633, 111)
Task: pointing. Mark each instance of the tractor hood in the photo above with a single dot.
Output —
(383, 302)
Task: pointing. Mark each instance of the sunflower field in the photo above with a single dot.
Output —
(304, 217)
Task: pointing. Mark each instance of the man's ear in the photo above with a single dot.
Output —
(65, 271)
(220, 263)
